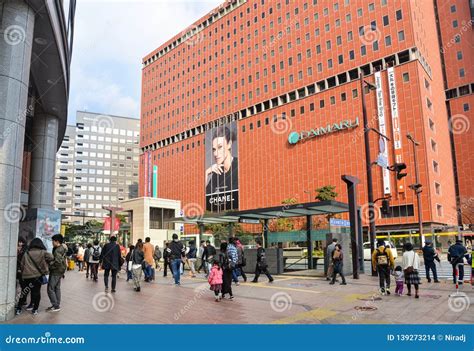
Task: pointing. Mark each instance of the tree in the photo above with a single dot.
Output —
(326, 193)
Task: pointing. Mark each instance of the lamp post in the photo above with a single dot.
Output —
(368, 162)
(417, 188)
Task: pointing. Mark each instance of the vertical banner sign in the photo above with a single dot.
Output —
(383, 130)
(155, 181)
(150, 174)
(397, 136)
(145, 174)
(222, 182)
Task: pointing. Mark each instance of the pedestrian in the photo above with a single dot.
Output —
(94, 258)
(138, 262)
(177, 256)
(200, 262)
(80, 257)
(111, 257)
(456, 255)
(337, 262)
(383, 262)
(429, 257)
(262, 266)
(20, 251)
(128, 262)
(329, 251)
(57, 268)
(34, 269)
(411, 265)
(191, 258)
(234, 259)
(210, 254)
(157, 257)
(149, 251)
(241, 261)
(167, 259)
(215, 280)
(86, 258)
(399, 279)
(225, 263)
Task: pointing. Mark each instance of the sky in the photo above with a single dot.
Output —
(111, 37)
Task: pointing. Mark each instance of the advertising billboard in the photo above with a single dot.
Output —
(222, 168)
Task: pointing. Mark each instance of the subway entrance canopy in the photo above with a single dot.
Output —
(255, 216)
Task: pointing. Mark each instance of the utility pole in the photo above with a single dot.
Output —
(417, 188)
(368, 162)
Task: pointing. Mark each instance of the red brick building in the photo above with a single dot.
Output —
(278, 67)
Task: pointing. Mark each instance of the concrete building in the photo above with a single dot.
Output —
(97, 165)
(35, 55)
(269, 74)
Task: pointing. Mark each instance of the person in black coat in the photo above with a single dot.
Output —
(456, 255)
(111, 258)
(224, 263)
(262, 266)
(429, 256)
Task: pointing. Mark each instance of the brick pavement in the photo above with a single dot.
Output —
(289, 299)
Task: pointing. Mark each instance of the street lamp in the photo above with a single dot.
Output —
(417, 188)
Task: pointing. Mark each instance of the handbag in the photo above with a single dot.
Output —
(130, 262)
(43, 279)
(410, 269)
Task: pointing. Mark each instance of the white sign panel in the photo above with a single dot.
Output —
(397, 135)
(382, 129)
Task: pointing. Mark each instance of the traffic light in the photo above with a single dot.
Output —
(398, 168)
(385, 207)
(416, 188)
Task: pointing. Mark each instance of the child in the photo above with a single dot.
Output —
(215, 280)
(399, 278)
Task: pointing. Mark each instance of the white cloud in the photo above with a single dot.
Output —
(111, 38)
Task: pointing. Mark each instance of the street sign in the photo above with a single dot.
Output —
(339, 222)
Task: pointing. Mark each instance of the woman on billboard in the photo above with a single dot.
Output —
(222, 175)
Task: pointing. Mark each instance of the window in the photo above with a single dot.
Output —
(455, 23)
(388, 40)
(462, 73)
(371, 7)
(401, 35)
(385, 21)
(439, 210)
(363, 50)
(321, 103)
(435, 166)
(432, 125)
(459, 55)
(453, 8)
(434, 146)
(406, 77)
(399, 15)
(438, 188)
(466, 107)
(332, 99)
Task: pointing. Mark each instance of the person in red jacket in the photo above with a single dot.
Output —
(215, 280)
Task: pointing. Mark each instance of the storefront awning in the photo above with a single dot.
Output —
(282, 211)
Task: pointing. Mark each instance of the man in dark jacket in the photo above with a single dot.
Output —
(167, 259)
(110, 258)
(456, 255)
(177, 255)
(56, 272)
(429, 256)
(262, 266)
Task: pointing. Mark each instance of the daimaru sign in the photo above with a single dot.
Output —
(296, 137)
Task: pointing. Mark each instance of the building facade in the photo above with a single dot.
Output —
(97, 165)
(269, 92)
(35, 55)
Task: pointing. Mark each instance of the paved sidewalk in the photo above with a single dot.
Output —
(288, 300)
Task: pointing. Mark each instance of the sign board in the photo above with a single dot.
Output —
(339, 222)
(249, 221)
(382, 129)
(397, 135)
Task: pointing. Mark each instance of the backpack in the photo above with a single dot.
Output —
(95, 254)
(224, 261)
(382, 257)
